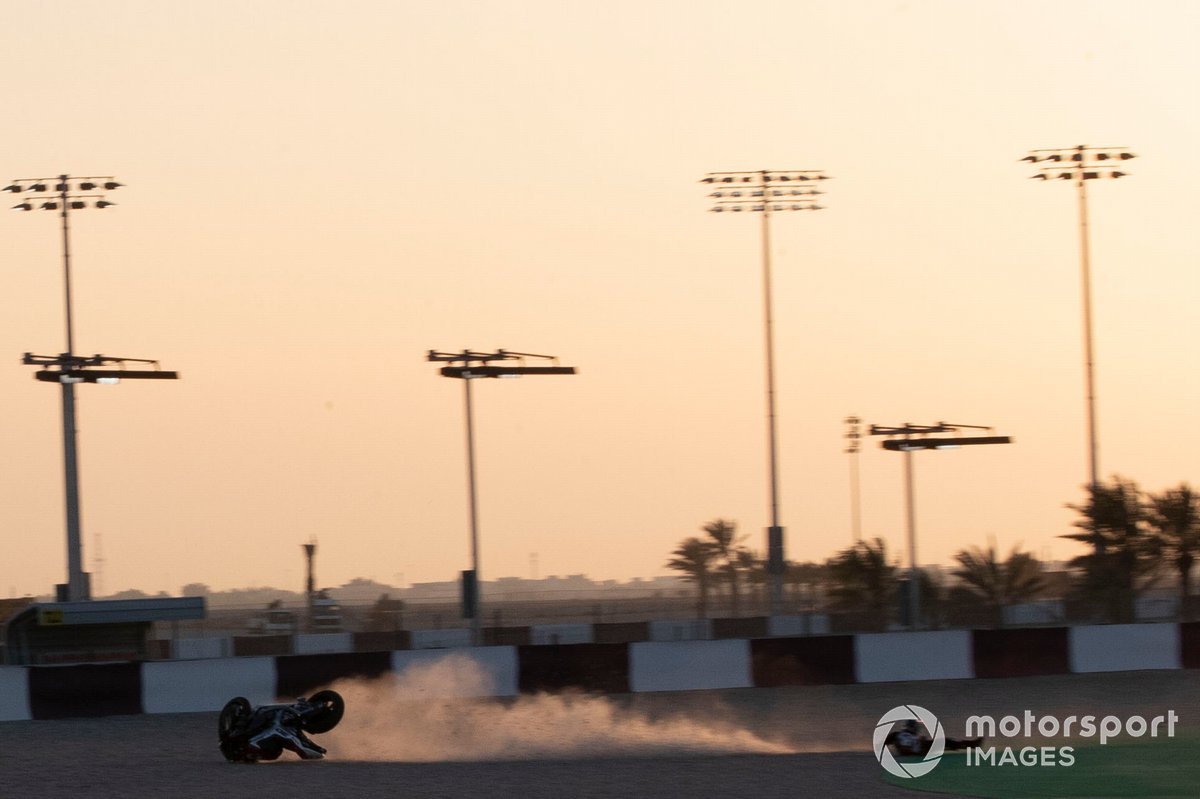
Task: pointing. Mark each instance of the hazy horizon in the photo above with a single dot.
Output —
(317, 194)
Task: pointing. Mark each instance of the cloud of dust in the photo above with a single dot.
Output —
(394, 718)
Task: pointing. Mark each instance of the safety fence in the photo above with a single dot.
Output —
(100, 689)
(183, 648)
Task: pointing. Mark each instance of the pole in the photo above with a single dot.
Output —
(476, 636)
(66, 262)
(77, 587)
(855, 501)
(1088, 349)
(732, 201)
(914, 597)
(775, 565)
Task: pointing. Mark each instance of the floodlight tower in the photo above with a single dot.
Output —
(1081, 164)
(913, 437)
(475, 365)
(766, 191)
(70, 367)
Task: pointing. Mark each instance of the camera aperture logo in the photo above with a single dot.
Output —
(884, 754)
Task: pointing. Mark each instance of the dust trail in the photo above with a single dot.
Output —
(393, 718)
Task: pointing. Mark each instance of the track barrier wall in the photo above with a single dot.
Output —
(14, 694)
(101, 689)
(689, 665)
(496, 665)
(817, 660)
(1189, 645)
(1124, 647)
(896, 657)
(190, 686)
(1021, 653)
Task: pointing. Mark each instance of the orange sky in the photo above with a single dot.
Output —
(318, 193)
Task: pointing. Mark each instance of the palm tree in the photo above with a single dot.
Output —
(805, 582)
(1124, 550)
(728, 547)
(864, 579)
(1174, 516)
(694, 558)
(751, 573)
(998, 583)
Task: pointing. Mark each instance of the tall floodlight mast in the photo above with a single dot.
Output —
(1080, 164)
(767, 191)
(67, 369)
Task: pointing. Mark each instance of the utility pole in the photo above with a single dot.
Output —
(913, 437)
(476, 365)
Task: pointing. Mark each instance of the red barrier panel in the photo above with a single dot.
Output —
(1022, 652)
(95, 689)
(1189, 645)
(816, 660)
(506, 636)
(587, 667)
(382, 641)
(261, 645)
(742, 627)
(299, 675)
(621, 632)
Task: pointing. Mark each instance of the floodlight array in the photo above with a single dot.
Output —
(68, 191)
(1079, 163)
(765, 191)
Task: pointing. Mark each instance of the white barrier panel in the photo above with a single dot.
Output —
(689, 665)
(1124, 647)
(440, 639)
(895, 657)
(670, 630)
(456, 673)
(321, 643)
(191, 686)
(550, 634)
(198, 648)
(14, 694)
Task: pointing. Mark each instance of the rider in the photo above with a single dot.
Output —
(909, 740)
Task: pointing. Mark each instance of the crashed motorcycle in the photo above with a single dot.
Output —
(248, 734)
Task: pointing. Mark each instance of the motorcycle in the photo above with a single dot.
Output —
(248, 734)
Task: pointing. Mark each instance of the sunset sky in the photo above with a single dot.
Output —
(317, 193)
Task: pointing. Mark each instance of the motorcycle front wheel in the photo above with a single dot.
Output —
(330, 707)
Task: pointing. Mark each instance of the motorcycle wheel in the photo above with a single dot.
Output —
(329, 710)
(233, 718)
